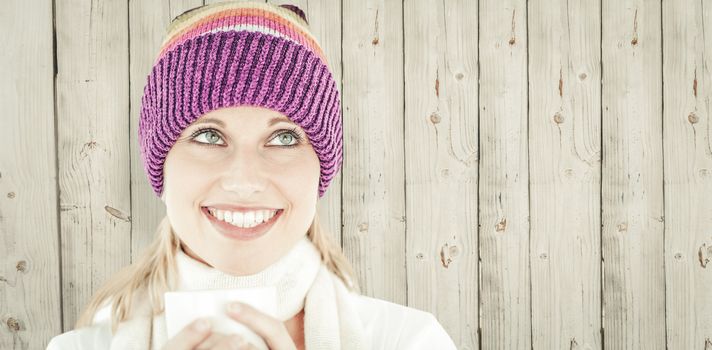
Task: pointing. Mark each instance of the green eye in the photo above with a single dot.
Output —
(285, 138)
(210, 135)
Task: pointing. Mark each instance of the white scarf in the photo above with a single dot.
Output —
(302, 281)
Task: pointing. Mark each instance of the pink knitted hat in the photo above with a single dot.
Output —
(240, 53)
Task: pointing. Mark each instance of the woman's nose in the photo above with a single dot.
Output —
(242, 173)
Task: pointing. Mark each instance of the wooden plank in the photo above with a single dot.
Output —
(217, 1)
(30, 299)
(325, 24)
(632, 189)
(565, 173)
(93, 155)
(149, 22)
(687, 143)
(503, 195)
(324, 18)
(441, 162)
(372, 103)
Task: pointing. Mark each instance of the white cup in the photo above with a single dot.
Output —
(183, 307)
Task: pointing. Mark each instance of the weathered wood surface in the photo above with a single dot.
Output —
(535, 174)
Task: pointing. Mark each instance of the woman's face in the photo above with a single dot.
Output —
(243, 156)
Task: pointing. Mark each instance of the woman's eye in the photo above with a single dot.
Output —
(210, 135)
(286, 138)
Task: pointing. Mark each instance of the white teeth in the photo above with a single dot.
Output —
(237, 219)
(245, 220)
(249, 220)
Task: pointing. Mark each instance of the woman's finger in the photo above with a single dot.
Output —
(190, 336)
(211, 341)
(233, 342)
(270, 329)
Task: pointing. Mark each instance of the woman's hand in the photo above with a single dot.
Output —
(272, 331)
(197, 336)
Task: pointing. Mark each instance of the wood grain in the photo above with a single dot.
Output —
(565, 174)
(632, 176)
(92, 87)
(30, 290)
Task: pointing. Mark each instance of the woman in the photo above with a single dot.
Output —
(240, 135)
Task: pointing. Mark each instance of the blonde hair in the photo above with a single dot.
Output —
(155, 272)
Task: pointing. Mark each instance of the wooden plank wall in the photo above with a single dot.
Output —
(632, 189)
(565, 175)
(537, 174)
(30, 293)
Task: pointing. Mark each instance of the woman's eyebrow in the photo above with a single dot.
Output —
(272, 121)
(276, 120)
(210, 120)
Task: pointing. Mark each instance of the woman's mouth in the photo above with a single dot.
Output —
(242, 226)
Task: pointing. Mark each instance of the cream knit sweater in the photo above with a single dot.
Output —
(301, 280)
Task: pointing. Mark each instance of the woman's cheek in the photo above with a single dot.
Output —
(293, 163)
(290, 157)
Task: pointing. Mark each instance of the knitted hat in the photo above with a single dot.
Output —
(240, 53)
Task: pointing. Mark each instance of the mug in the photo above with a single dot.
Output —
(183, 307)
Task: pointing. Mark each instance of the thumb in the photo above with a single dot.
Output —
(190, 336)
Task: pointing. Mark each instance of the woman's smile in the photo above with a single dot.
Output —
(244, 228)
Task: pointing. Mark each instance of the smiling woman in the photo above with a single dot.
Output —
(240, 135)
